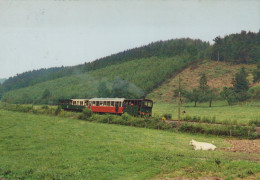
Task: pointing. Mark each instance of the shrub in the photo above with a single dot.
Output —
(126, 116)
(222, 130)
(167, 115)
(254, 92)
(35, 111)
(255, 121)
(58, 110)
(86, 114)
(45, 107)
(22, 108)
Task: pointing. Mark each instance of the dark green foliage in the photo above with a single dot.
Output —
(46, 94)
(256, 74)
(229, 95)
(254, 92)
(58, 110)
(212, 94)
(220, 130)
(86, 114)
(203, 83)
(183, 94)
(199, 119)
(202, 93)
(103, 90)
(206, 93)
(239, 91)
(167, 115)
(194, 96)
(238, 48)
(240, 82)
(120, 88)
(255, 122)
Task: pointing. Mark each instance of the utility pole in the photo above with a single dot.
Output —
(51, 103)
(179, 108)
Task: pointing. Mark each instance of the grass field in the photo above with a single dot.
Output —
(241, 113)
(47, 147)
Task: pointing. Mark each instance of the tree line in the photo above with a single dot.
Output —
(237, 48)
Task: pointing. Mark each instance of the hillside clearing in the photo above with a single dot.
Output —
(219, 75)
(38, 147)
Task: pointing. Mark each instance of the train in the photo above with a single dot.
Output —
(134, 107)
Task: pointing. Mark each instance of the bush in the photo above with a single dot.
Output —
(22, 108)
(58, 110)
(167, 115)
(86, 114)
(254, 92)
(45, 107)
(220, 130)
(255, 122)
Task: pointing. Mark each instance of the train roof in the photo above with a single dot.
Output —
(79, 99)
(138, 99)
(107, 99)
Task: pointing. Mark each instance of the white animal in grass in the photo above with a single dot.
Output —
(202, 145)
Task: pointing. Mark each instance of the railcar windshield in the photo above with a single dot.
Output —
(147, 104)
(65, 101)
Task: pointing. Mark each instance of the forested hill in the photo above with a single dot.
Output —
(237, 48)
(2, 80)
(168, 48)
(161, 57)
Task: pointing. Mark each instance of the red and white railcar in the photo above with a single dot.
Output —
(107, 105)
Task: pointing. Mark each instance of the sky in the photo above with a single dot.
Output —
(38, 34)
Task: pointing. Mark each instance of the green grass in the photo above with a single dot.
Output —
(242, 113)
(47, 147)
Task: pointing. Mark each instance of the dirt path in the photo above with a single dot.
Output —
(248, 146)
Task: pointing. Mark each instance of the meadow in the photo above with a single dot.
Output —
(52, 147)
(240, 113)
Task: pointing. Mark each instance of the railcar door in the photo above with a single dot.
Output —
(116, 106)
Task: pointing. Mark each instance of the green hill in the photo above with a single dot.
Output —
(137, 72)
(2, 80)
(170, 48)
(137, 78)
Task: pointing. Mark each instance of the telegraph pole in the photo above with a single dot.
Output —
(179, 108)
(51, 102)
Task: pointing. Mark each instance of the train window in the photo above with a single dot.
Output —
(147, 104)
(97, 103)
(105, 103)
(112, 103)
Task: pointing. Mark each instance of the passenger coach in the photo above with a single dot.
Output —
(119, 106)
